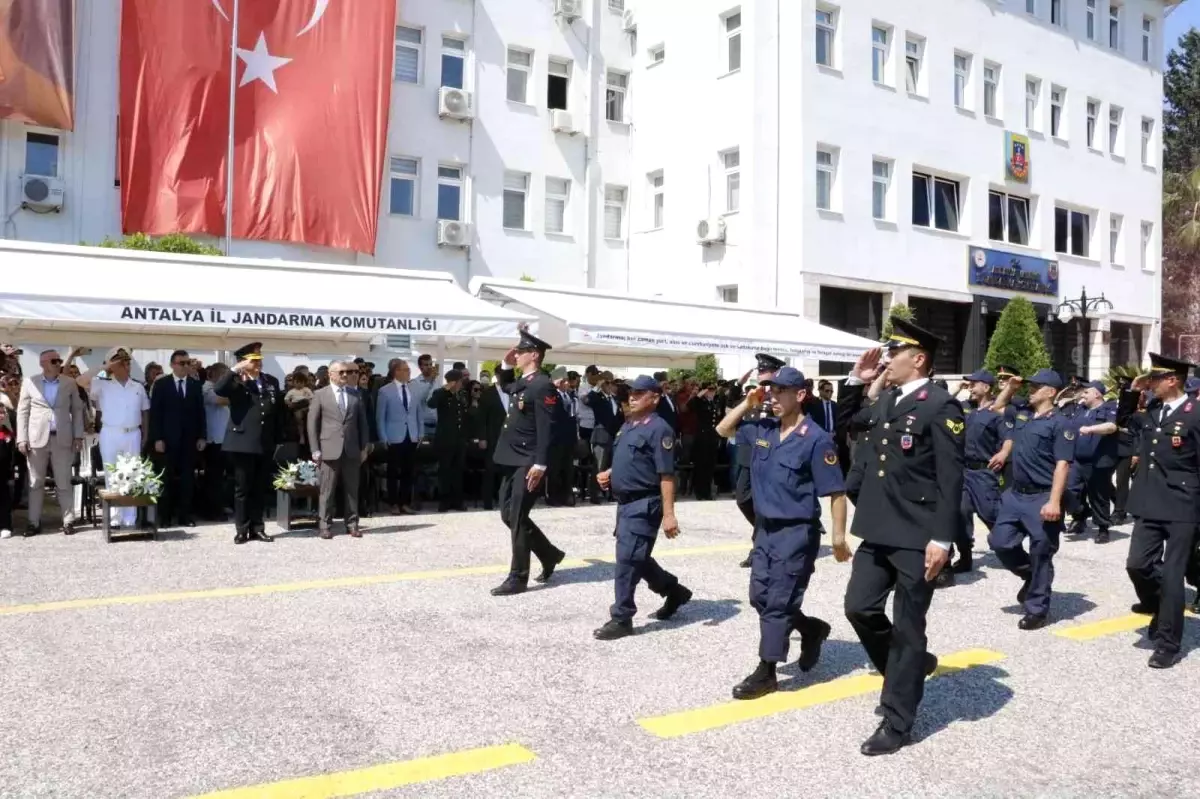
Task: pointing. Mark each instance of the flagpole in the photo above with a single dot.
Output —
(229, 144)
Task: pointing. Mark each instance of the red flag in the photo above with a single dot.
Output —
(310, 118)
(37, 68)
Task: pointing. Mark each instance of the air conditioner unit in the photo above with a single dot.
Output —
(562, 122)
(454, 103)
(710, 231)
(41, 194)
(570, 10)
(629, 21)
(452, 233)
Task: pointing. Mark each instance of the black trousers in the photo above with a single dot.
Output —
(1124, 477)
(213, 489)
(452, 461)
(704, 464)
(897, 649)
(180, 477)
(527, 537)
(401, 461)
(1096, 495)
(560, 474)
(250, 474)
(490, 486)
(601, 460)
(1158, 559)
(7, 448)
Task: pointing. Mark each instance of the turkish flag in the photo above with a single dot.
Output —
(313, 95)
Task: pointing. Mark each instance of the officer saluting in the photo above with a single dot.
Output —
(523, 454)
(767, 366)
(907, 514)
(642, 479)
(1163, 501)
(255, 424)
(1043, 444)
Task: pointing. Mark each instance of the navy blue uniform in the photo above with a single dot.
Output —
(1091, 480)
(1039, 443)
(787, 479)
(643, 452)
(984, 437)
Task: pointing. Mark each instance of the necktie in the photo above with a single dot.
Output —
(181, 394)
(342, 399)
(404, 395)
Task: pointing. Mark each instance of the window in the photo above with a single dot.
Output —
(1056, 13)
(450, 191)
(1072, 231)
(519, 64)
(616, 6)
(1115, 222)
(657, 199)
(1114, 128)
(404, 172)
(1031, 7)
(728, 294)
(558, 83)
(879, 54)
(1147, 137)
(1147, 34)
(454, 59)
(733, 42)
(614, 97)
(558, 194)
(1033, 87)
(991, 88)
(912, 62)
(825, 175)
(41, 154)
(881, 182)
(614, 212)
(408, 54)
(1093, 114)
(1114, 26)
(1147, 237)
(516, 199)
(658, 55)
(962, 79)
(826, 28)
(1057, 98)
(935, 202)
(1008, 218)
(733, 179)
(1091, 20)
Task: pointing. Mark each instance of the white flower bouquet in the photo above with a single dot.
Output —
(134, 476)
(297, 474)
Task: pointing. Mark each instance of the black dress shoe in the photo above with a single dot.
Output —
(258, 534)
(1078, 527)
(1102, 536)
(931, 663)
(1162, 659)
(508, 588)
(760, 683)
(675, 600)
(812, 636)
(612, 630)
(188, 523)
(745, 564)
(1024, 592)
(1143, 607)
(885, 741)
(963, 565)
(241, 538)
(68, 529)
(31, 531)
(944, 579)
(548, 569)
(1119, 518)
(1032, 622)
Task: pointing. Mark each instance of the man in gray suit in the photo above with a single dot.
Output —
(49, 433)
(338, 432)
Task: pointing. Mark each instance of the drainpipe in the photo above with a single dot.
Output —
(590, 146)
(471, 134)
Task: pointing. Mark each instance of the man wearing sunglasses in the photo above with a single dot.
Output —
(49, 433)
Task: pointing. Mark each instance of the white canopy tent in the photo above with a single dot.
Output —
(588, 326)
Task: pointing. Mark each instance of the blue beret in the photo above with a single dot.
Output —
(786, 377)
(982, 376)
(645, 383)
(1047, 377)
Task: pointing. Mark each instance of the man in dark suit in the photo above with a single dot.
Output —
(907, 514)
(524, 454)
(666, 403)
(560, 481)
(255, 425)
(178, 430)
(450, 441)
(339, 433)
(607, 422)
(704, 448)
(493, 409)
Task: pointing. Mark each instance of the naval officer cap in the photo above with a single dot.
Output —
(982, 376)
(531, 343)
(1047, 377)
(786, 377)
(1162, 366)
(250, 352)
(559, 373)
(645, 383)
(1004, 370)
(119, 354)
(768, 362)
(905, 334)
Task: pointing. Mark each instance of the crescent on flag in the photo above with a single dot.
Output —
(318, 12)
(221, 11)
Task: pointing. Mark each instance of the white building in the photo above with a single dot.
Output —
(854, 154)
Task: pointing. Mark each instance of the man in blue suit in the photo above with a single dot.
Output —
(398, 417)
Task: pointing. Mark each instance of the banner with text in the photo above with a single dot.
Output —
(996, 269)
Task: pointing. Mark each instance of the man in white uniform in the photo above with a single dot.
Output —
(123, 405)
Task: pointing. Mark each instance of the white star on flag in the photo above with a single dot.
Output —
(260, 64)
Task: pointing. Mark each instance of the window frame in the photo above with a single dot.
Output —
(1116, 230)
(994, 85)
(1032, 102)
(917, 58)
(829, 28)
(962, 94)
(1071, 213)
(563, 196)
(58, 152)
(1057, 16)
(1147, 232)
(508, 192)
(1057, 111)
(1093, 122)
(657, 55)
(526, 70)
(418, 46)
(883, 185)
(1114, 26)
(723, 294)
(658, 199)
(620, 206)
(1147, 140)
(829, 170)
(1090, 31)
(450, 52)
(460, 183)
(733, 179)
(616, 6)
(611, 91)
(551, 62)
(1147, 38)
(1007, 202)
(1115, 129)
(731, 38)
(883, 49)
(932, 180)
(414, 178)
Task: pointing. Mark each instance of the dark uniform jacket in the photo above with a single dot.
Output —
(451, 424)
(528, 432)
(491, 415)
(1166, 486)
(669, 412)
(608, 421)
(911, 485)
(255, 415)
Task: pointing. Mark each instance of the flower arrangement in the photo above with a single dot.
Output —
(298, 473)
(134, 476)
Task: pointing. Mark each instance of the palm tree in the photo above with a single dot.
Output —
(1181, 204)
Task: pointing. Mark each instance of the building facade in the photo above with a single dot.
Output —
(834, 158)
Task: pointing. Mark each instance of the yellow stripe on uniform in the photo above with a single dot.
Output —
(384, 777)
(735, 712)
(335, 582)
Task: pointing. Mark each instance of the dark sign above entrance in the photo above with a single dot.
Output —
(1003, 270)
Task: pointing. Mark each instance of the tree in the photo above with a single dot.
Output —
(1181, 116)
(705, 370)
(897, 311)
(490, 367)
(1181, 261)
(174, 242)
(1018, 340)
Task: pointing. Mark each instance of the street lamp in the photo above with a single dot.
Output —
(1099, 307)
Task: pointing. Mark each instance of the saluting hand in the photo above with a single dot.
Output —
(755, 397)
(510, 358)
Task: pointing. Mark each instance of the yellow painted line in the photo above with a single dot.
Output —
(688, 722)
(1099, 629)
(335, 582)
(384, 777)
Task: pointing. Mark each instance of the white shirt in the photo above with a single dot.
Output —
(585, 415)
(50, 394)
(911, 386)
(216, 417)
(1171, 407)
(121, 405)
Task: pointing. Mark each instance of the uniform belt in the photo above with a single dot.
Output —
(625, 497)
(973, 465)
(1031, 489)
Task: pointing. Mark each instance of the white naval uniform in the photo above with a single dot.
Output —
(120, 408)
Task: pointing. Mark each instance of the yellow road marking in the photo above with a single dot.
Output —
(687, 722)
(384, 777)
(335, 582)
(1099, 629)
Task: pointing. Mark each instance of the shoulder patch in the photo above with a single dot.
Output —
(1187, 408)
(668, 442)
(1009, 425)
(955, 427)
(830, 458)
(1069, 435)
(551, 399)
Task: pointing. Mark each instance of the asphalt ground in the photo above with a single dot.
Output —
(382, 667)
